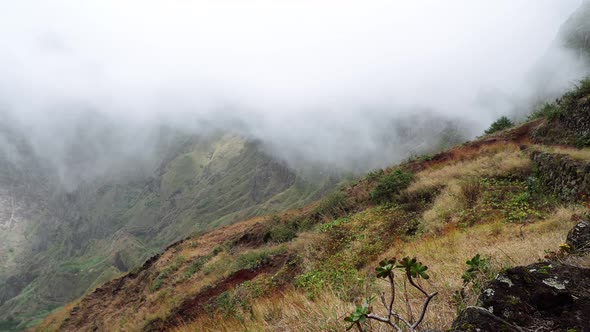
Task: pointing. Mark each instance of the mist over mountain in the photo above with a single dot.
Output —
(126, 126)
(327, 83)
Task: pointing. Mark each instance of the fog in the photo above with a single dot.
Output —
(329, 82)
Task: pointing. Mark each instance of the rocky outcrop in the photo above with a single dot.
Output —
(571, 127)
(562, 176)
(543, 297)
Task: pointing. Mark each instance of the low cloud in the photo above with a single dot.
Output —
(330, 82)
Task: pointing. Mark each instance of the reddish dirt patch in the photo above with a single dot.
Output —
(517, 136)
(194, 306)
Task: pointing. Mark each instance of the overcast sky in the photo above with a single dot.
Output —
(289, 70)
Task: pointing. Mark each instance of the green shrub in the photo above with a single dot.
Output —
(570, 100)
(548, 110)
(279, 231)
(501, 124)
(332, 206)
(256, 258)
(391, 184)
(478, 273)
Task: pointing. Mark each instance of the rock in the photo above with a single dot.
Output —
(579, 237)
(546, 296)
(484, 321)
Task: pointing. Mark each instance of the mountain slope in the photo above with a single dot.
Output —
(303, 269)
(58, 243)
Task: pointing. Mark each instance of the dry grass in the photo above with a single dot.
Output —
(509, 160)
(54, 320)
(578, 154)
(443, 209)
(506, 244)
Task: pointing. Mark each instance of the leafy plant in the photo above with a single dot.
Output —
(358, 316)
(548, 110)
(501, 124)
(412, 271)
(478, 272)
(477, 266)
(391, 184)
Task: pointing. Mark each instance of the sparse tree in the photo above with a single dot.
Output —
(412, 272)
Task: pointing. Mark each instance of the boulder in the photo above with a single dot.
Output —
(546, 296)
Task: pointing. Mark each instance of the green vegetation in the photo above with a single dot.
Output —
(391, 184)
(197, 263)
(568, 102)
(548, 110)
(501, 124)
(479, 271)
(256, 258)
(166, 272)
(412, 271)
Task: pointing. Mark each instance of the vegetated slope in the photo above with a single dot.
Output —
(303, 269)
(57, 243)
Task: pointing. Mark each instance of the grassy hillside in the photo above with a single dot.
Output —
(64, 243)
(304, 269)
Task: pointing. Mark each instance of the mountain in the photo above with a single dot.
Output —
(60, 239)
(506, 199)
(575, 32)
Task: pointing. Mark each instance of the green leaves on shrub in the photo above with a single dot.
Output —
(390, 185)
(412, 270)
(412, 267)
(359, 315)
(476, 266)
(500, 124)
(385, 268)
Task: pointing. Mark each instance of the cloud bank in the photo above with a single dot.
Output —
(324, 81)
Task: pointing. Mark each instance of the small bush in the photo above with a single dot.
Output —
(548, 110)
(478, 273)
(391, 184)
(256, 258)
(332, 206)
(501, 124)
(280, 233)
(570, 100)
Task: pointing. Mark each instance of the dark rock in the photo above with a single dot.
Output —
(579, 237)
(484, 321)
(544, 296)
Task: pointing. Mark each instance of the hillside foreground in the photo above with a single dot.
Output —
(510, 197)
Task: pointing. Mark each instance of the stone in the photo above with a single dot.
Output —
(475, 319)
(546, 296)
(579, 237)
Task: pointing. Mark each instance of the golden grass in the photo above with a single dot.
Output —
(506, 244)
(54, 320)
(510, 159)
(445, 205)
(578, 154)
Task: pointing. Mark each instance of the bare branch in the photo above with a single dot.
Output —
(424, 309)
(392, 285)
(415, 285)
(408, 305)
(384, 320)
